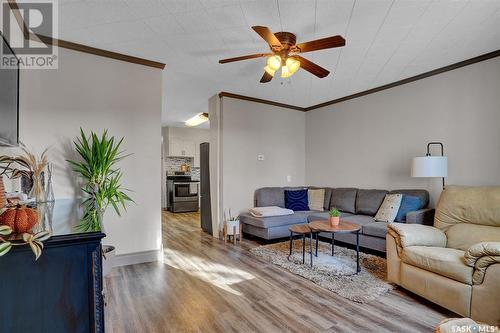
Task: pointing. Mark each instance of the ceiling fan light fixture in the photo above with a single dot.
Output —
(274, 62)
(285, 72)
(197, 120)
(292, 65)
(269, 70)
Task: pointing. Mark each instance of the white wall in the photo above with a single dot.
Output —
(249, 129)
(98, 93)
(369, 141)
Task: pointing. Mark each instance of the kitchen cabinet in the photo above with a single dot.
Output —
(185, 142)
(180, 147)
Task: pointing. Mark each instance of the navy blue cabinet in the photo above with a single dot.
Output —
(62, 291)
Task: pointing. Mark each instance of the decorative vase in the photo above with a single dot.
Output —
(49, 190)
(334, 220)
(37, 191)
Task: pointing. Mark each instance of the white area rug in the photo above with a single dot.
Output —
(337, 273)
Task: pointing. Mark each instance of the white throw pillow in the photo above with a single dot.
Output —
(316, 198)
(389, 208)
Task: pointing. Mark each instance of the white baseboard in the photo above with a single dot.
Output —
(138, 258)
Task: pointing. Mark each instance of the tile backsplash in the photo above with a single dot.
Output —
(173, 164)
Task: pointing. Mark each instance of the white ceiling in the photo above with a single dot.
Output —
(386, 40)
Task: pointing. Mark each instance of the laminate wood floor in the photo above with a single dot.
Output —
(204, 285)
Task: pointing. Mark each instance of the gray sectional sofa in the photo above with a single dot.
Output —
(356, 205)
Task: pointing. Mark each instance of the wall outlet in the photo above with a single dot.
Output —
(289, 179)
(260, 157)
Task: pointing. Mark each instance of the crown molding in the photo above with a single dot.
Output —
(75, 46)
(96, 51)
(262, 101)
(437, 71)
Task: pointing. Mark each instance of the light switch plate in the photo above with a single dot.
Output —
(260, 157)
(289, 178)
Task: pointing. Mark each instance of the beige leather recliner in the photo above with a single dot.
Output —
(456, 262)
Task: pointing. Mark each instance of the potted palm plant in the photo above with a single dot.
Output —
(102, 182)
(102, 179)
(334, 216)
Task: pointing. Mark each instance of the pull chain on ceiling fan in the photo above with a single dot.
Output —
(285, 53)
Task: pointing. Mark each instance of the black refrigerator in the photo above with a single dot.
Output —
(205, 204)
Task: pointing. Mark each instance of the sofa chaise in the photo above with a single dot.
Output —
(456, 262)
(356, 205)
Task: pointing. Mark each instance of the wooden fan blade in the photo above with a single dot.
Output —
(311, 67)
(250, 56)
(319, 44)
(266, 77)
(267, 35)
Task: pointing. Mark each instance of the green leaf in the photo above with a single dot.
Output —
(5, 230)
(4, 248)
(42, 236)
(27, 237)
(39, 243)
(37, 250)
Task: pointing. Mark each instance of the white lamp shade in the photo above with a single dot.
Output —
(430, 166)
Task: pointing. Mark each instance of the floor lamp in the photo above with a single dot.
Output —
(429, 166)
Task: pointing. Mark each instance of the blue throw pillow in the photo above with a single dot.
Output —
(296, 200)
(408, 204)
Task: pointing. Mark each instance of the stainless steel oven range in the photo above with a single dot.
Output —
(183, 194)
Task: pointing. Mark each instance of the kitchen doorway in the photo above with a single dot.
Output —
(182, 174)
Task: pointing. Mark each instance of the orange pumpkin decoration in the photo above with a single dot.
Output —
(20, 219)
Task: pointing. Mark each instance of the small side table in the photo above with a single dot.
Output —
(342, 227)
(303, 230)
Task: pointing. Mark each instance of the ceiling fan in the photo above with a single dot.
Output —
(285, 53)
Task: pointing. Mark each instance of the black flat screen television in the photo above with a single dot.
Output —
(9, 98)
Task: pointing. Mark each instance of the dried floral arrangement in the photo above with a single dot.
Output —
(27, 165)
(30, 165)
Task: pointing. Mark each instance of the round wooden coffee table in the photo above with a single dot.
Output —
(303, 230)
(342, 227)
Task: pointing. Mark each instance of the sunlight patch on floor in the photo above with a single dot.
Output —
(219, 275)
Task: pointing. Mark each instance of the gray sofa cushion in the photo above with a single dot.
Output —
(324, 216)
(376, 229)
(298, 217)
(423, 194)
(369, 201)
(359, 219)
(272, 196)
(328, 197)
(344, 199)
